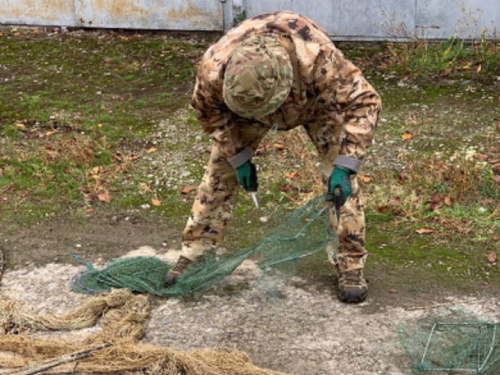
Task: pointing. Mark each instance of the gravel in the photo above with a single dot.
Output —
(283, 324)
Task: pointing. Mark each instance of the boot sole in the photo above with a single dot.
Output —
(352, 299)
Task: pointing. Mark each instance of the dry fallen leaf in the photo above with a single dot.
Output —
(435, 198)
(395, 201)
(286, 188)
(48, 134)
(402, 177)
(104, 197)
(292, 175)
(188, 189)
(156, 202)
(278, 146)
(152, 149)
(406, 136)
(436, 206)
(364, 178)
(492, 257)
(392, 291)
(447, 201)
(97, 170)
(145, 187)
(482, 157)
(424, 231)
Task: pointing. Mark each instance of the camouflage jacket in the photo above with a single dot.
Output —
(327, 87)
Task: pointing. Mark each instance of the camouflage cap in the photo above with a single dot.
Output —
(258, 77)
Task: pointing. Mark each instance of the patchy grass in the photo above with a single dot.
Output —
(430, 182)
(93, 121)
(77, 109)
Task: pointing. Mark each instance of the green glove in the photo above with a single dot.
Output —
(246, 175)
(340, 177)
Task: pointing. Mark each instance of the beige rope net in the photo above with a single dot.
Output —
(116, 348)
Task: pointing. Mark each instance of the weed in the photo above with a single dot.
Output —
(424, 57)
(239, 17)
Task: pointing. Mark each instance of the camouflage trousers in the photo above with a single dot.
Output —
(213, 206)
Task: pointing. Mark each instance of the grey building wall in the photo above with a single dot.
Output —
(394, 19)
(343, 19)
(134, 14)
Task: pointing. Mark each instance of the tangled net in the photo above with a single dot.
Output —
(452, 340)
(122, 315)
(115, 349)
(304, 232)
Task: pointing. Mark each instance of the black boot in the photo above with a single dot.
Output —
(180, 267)
(352, 286)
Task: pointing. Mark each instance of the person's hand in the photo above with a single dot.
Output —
(340, 177)
(246, 175)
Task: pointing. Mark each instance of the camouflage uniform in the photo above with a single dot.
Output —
(329, 97)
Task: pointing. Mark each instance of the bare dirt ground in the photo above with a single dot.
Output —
(290, 325)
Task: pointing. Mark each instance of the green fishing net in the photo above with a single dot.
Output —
(301, 233)
(452, 341)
